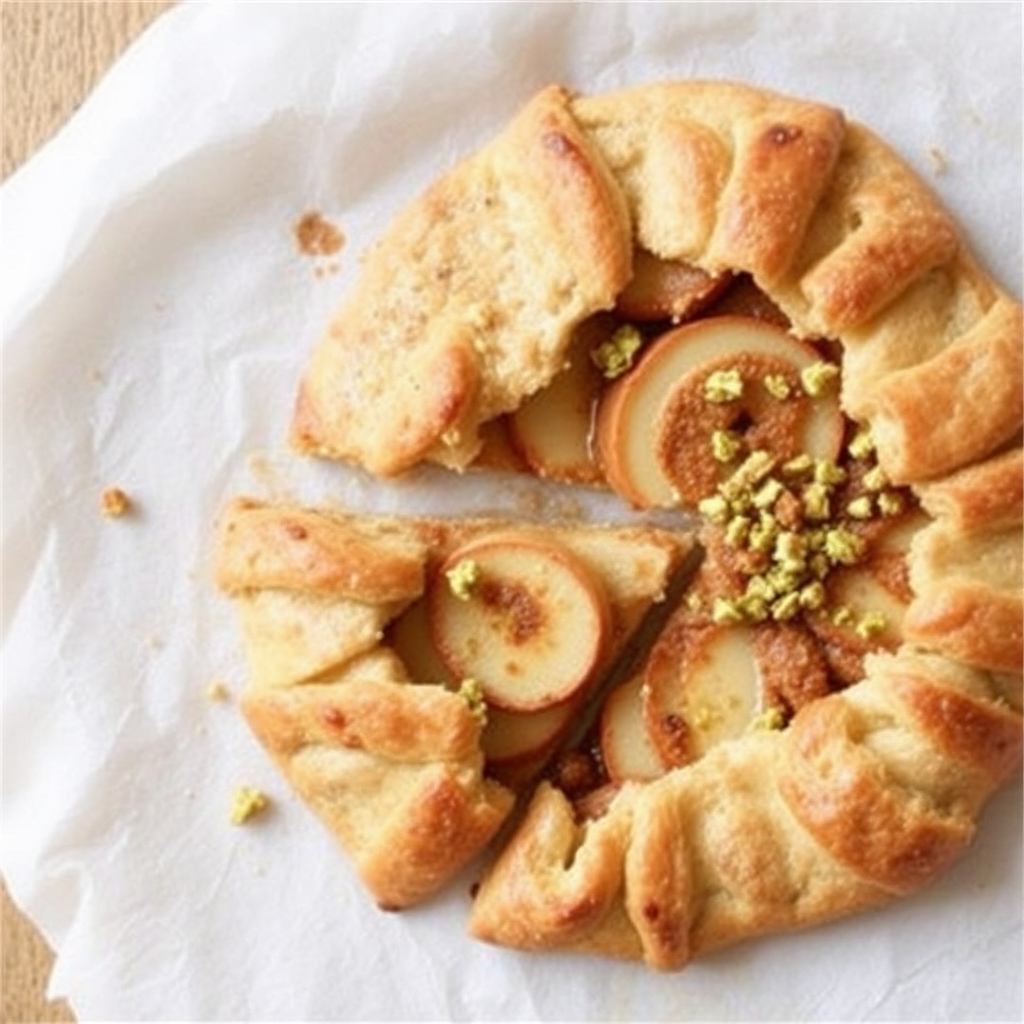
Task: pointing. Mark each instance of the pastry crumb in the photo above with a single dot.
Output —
(315, 235)
(217, 691)
(246, 804)
(938, 161)
(115, 503)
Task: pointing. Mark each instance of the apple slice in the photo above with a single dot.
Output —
(411, 640)
(530, 624)
(866, 602)
(701, 687)
(516, 744)
(626, 747)
(667, 289)
(656, 424)
(552, 431)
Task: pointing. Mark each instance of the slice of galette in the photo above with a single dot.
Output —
(409, 676)
(713, 298)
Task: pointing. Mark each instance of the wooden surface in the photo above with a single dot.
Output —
(53, 54)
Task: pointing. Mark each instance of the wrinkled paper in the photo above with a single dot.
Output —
(157, 313)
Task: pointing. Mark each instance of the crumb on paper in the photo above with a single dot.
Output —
(115, 503)
(217, 691)
(938, 160)
(315, 235)
(247, 803)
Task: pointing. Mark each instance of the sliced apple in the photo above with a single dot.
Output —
(655, 425)
(667, 289)
(516, 744)
(865, 603)
(626, 747)
(701, 688)
(530, 626)
(552, 431)
(411, 640)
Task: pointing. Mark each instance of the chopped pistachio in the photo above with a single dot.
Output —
(462, 577)
(799, 465)
(816, 502)
(860, 508)
(715, 508)
(753, 609)
(723, 386)
(790, 551)
(737, 530)
(842, 546)
(768, 493)
(784, 581)
(472, 693)
(818, 377)
(828, 473)
(754, 468)
(786, 607)
(615, 356)
(763, 534)
(862, 444)
(758, 588)
(246, 804)
(890, 503)
(770, 720)
(777, 386)
(870, 624)
(819, 566)
(812, 596)
(726, 612)
(725, 445)
(843, 616)
(875, 479)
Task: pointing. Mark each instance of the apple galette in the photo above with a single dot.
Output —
(746, 312)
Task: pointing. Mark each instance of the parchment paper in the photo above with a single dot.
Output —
(156, 315)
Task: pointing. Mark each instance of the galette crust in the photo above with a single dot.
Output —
(466, 307)
(393, 766)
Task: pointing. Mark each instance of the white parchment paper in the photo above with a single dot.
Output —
(156, 315)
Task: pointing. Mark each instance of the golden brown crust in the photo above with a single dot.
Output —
(857, 803)
(299, 549)
(409, 756)
(987, 495)
(872, 792)
(466, 307)
(393, 766)
(424, 350)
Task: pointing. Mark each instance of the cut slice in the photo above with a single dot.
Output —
(349, 694)
(530, 627)
(657, 426)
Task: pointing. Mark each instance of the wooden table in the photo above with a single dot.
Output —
(53, 53)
